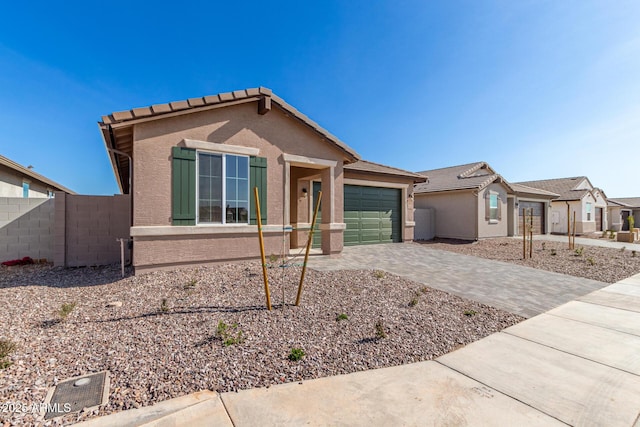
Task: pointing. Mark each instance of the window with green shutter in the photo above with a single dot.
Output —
(210, 188)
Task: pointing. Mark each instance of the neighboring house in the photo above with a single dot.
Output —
(472, 202)
(26, 212)
(17, 181)
(192, 166)
(578, 195)
(469, 201)
(619, 211)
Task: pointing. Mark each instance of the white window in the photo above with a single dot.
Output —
(493, 207)
(588, 206)
(223, 188)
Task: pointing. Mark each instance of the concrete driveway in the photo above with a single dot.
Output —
(521, 290)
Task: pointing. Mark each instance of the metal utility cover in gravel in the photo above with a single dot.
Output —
(75, 394)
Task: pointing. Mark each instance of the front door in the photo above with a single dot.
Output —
(599, 219)
(625, 221)
(317, 235)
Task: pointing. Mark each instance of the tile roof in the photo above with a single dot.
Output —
(631, 202)
(32, 174)
(565, 187)
(371, 167)
(115, 127)
(523, 189)
(471, 176)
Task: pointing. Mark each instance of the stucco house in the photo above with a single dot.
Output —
(191, 166)
(17, 181)
(472, 201)
(578, 195)
(620, 209)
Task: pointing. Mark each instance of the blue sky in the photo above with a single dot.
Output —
(539, 89)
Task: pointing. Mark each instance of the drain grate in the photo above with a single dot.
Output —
(72, 395)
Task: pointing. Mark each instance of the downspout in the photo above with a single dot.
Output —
(477, 221)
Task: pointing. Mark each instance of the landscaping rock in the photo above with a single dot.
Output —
(154, 354)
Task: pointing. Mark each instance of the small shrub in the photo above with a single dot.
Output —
(229, 334)
(379, 274)
(470, 313)
(579, 251)
(380, 329)
(6, 348)
(342, 316)
(591, 261)
(164, 306)
(553, 252)
(413, 302)
(296, 354)
(191, 284)
(544, 245)
(622, 249)
(604, 234)
(424, 289)
(612, 234)
(633, 254)
(273, 261)
(65, 310)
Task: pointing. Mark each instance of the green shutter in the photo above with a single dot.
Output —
(258, 178)
(487, 205)
(183, 186)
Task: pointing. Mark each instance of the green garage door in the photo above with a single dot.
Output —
(372, 215)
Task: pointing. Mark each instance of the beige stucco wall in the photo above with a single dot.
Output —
(559, 212)
(273, 134)
(492, 228)
(11, 184)
(615, 217)
(152, 253)
(455, 213)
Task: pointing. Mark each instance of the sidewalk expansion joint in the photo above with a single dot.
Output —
(501, 392)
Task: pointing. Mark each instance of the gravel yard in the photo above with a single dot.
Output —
(155, 351)
(591, 262)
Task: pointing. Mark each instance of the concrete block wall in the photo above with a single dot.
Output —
(87, 227)
(26, 228)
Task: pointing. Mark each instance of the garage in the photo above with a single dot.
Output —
(538, 216)
(372, 215)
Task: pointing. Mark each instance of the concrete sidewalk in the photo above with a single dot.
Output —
(577, 364)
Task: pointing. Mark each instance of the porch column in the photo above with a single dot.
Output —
(287, 194)
(331, 230)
